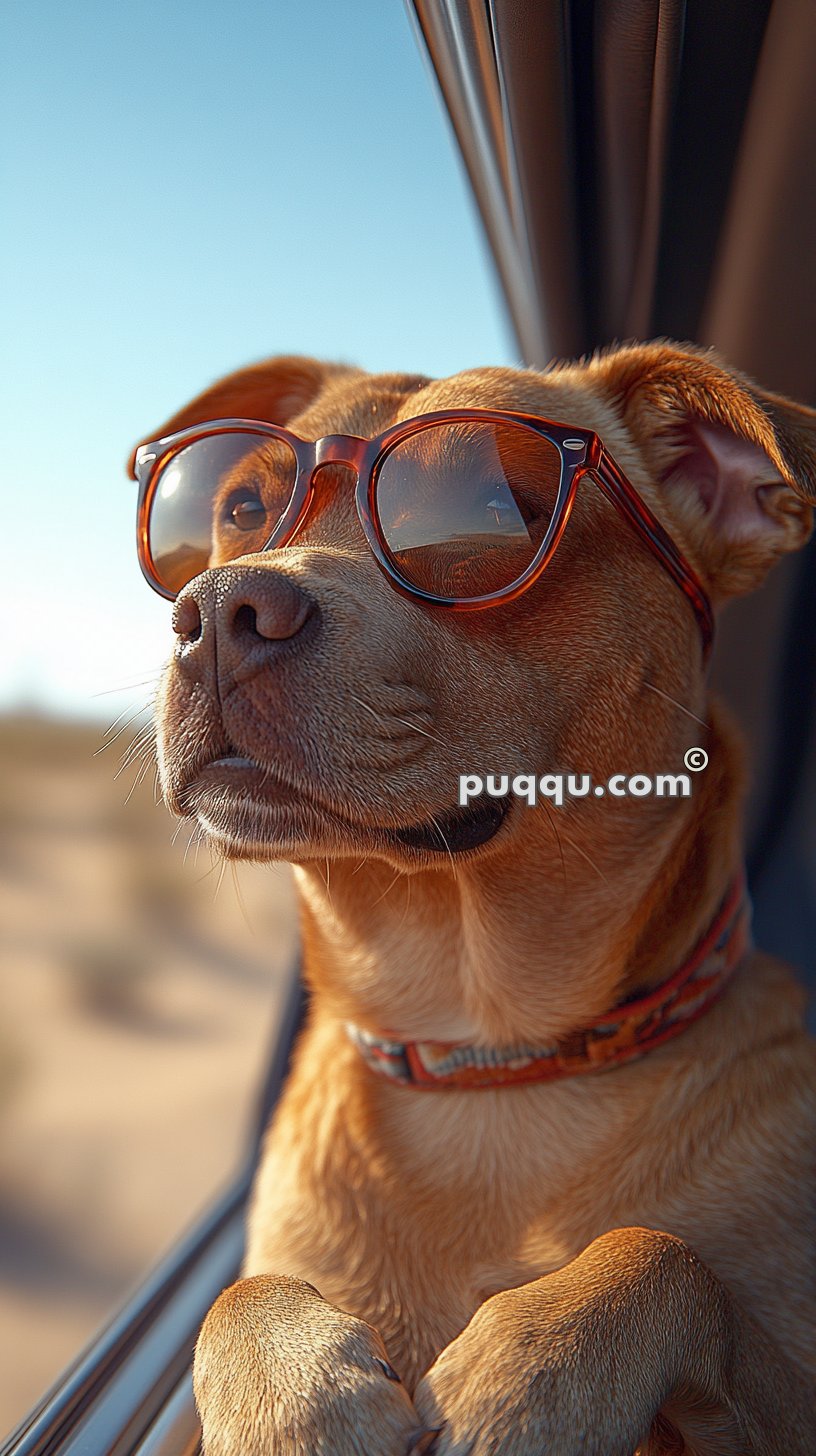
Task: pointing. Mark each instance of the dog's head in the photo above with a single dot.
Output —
(311, 711)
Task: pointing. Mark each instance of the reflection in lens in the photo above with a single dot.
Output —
(464, 506)
(218, 498)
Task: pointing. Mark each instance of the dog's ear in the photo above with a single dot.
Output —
(274, 391)
(736, 464)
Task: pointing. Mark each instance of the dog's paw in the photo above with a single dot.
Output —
(281, 1372)
(502, 1388)
(479, 1395)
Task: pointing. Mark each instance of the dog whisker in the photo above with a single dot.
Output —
(681, 706)
(220, 880)
(124, 687)
(416, 729)
(394, 717)
(590, 861)
(111, 738)
(239, 895)
(140, 752)
(117, 720)
(145, 734)
(206, 875)
(140, 776)
(142, 745)
(328, 887)
(554, 828)
(398, 876)
(198, 844)
(438, 829)
(407, 904)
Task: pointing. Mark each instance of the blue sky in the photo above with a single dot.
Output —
(187, 188)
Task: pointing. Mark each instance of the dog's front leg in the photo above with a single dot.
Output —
(281, 1372)
(586, 1360)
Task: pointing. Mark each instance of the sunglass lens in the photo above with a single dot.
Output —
(464, 506)
(214, 500)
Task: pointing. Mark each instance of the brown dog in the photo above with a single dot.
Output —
(578, 1263)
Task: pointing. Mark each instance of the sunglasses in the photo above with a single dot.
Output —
(461, 509)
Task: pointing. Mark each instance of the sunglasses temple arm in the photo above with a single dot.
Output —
(617, 489)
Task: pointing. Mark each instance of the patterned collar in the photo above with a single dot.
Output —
(632, 1028)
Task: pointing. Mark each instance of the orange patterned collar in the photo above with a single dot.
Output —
(632, 1028)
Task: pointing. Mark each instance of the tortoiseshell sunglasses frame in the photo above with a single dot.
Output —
(581, 451)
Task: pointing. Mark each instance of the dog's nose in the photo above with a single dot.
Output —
(238, 617)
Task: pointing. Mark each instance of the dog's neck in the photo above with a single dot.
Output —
(507, 947)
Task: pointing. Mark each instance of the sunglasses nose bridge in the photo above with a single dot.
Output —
(340, 450)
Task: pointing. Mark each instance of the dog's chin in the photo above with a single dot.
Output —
(248, 812)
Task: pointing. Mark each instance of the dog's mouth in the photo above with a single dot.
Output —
(236, 798)
(456, 831)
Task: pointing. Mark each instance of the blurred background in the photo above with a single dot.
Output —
(185, 189)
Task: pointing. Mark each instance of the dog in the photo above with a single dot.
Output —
(601, 1241)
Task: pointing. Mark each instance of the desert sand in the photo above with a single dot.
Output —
(138, 1003)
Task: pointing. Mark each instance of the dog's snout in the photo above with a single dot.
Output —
(271, 615)
(237, 618)
(187, 618)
